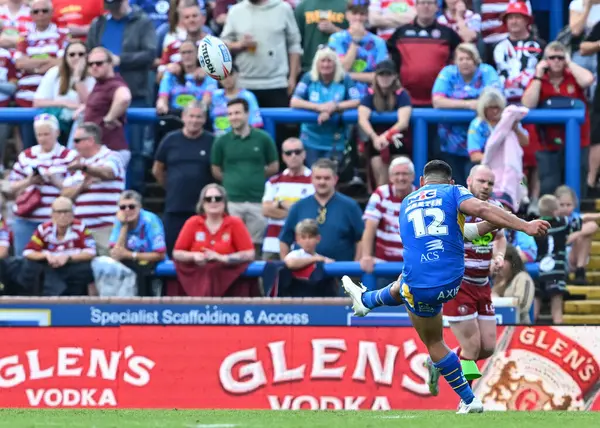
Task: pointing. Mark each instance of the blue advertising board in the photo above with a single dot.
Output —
(111, 314)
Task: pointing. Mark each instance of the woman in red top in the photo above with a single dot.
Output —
(213, 235)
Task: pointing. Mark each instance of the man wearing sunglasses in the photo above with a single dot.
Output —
(282, 191)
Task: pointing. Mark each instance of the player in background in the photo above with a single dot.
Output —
(432, 225)
(471, 314)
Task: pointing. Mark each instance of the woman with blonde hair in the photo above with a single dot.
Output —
(458, 86)
(325, 89)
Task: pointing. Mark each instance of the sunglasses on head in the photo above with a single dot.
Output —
(39, 11)
(127, 207)
(74, 54)
(96, 63)
(296, 152)
(213, 199)
(559, 57)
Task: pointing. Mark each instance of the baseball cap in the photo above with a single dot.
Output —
(518, 8)
(386, 66)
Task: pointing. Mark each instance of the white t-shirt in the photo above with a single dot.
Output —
(50, 84)
(593, 17)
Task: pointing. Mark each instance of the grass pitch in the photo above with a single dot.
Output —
(12, 418)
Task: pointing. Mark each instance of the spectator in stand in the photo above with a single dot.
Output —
(36, 179)
(591, 46)
(129, 35)
(387, 15)
(457, 87)
(267, 49)
(282, 191)
(96, 181)
(186, 84)
(583, 16)
(241, 160)
(230, 90)
(14, 16)
(382, 232)
(525, 244)
(38, 50)
(339, 217)
(182, 166)
(8, 86)
(514, 281)
(192, 21)
(579, 242)
(172, 29)
(108, 102)
(220, 12)
(493, 26)
(76, 15)
(137, 240)
(490, 106)
(556, 77)
(406, 45)
(4, 239)
(387, 95)
(65, 88)
(317, 21)
(359, 50)
(159, 10)
(65, 247)
(326, 89)
(462, 20)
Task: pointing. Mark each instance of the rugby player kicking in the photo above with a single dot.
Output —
(471, 314)
(432, 225)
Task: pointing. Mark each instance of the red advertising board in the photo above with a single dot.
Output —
(283, 368)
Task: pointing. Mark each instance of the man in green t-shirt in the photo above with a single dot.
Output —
(242, 160)
(317, 20)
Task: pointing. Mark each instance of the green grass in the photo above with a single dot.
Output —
(14, 418)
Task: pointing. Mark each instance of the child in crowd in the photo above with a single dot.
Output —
(552, 258)
(579, 242)
(303, 260)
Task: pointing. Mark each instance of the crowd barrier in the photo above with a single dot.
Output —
(420, 119)
(285, 367)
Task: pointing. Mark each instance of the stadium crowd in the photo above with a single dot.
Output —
(73, 215)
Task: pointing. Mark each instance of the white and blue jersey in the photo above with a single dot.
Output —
(431, 227)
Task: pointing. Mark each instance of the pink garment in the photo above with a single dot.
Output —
(504, 155)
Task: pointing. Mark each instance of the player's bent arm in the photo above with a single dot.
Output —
(474, 231)
(493, 214)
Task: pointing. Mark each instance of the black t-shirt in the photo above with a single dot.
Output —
(594, 36)
(187, 165)
(552, 248)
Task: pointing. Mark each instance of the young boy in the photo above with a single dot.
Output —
(303, 260)
(552, 258)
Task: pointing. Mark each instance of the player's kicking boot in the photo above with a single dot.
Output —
(433, 378)
(476, 406)
(355, 291)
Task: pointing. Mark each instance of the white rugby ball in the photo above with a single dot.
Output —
(215, 58)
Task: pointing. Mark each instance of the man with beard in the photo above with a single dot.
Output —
(471, 314)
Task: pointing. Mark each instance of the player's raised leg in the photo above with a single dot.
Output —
(363, 301)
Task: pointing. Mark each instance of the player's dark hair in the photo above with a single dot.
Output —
(439, 169)
(241, 101)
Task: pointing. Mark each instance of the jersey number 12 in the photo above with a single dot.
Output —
(435, 227)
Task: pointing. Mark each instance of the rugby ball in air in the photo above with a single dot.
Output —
(215, 58)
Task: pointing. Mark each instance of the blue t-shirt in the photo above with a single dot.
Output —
(330, 133)
(218, 111)
(148, 236)
(180, 95)
(524, 242)
(340, 225)
(451, 84)
(479, 132)
(431, 226)
(371, 51)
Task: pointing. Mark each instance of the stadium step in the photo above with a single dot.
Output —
(581, 319)
(590, 205)
(594, 263)
(592, 277)
(595, 248)
(586, 291)
(582, 307)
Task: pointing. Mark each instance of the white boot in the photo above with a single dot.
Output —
(355, 291)
(475, 407)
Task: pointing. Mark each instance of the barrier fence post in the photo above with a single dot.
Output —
(573, 156)
(420, 146)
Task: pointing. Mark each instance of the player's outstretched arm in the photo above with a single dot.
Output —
(501, 218)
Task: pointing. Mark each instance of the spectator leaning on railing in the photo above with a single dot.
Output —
(556, 83)
(325, 89)
(65, 248)
(282, 191)
(182, 166)
(96, 180)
